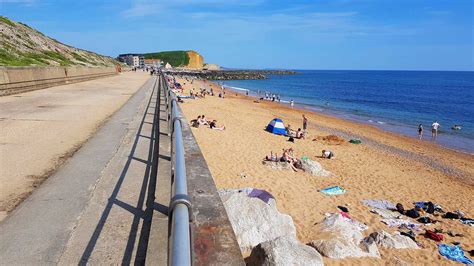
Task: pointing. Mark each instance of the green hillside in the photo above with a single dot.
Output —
(21, 45)
(175, 58)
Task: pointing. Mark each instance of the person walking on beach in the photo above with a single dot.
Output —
(420, 131)
(434, 130)
(305, 123)
(292, 103)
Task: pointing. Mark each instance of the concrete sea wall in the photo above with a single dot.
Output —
(21, 79)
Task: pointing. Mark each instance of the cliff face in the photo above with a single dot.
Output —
(21, 45)
(196, 60)
(186, 59)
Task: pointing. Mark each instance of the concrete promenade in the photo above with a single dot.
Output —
(108, 204)
(97, 208)
(41, 129)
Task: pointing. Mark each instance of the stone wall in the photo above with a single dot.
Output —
(21, 79)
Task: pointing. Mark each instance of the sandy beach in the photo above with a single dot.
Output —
(42, 129)
(385, 166)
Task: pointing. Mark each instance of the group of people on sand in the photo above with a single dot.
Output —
(434, 130)
(288, 156)
(201, 94)
(300, 133)
(203, 121)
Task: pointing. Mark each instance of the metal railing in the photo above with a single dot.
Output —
(179, 249)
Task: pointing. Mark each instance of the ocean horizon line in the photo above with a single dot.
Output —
(379, 70)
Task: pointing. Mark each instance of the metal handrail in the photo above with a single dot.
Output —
(179, 252)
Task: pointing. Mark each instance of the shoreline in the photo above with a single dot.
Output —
(347, 134)
(386, 166)
(361, 123)
(449, 141)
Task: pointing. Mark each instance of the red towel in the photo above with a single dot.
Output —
(432, 235)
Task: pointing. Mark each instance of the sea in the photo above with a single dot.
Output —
(396, 101)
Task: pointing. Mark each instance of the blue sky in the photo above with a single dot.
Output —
(297, 34)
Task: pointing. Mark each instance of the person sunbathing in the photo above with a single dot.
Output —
(203, 121)
(195, 122)
(327, 154)
(213, 125)
(290, 132)
(287, 157)
(299, 134)
(272, 157)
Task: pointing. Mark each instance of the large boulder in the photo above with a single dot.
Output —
(284, 251)
(253, 220)
(313, 168)
(396, 240)
(342, 237)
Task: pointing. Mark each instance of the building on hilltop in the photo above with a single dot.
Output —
(152, 63)
(134, 60)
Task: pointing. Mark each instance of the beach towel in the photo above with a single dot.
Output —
(401, 223)
(435, 236)
(467, 221)
(454, 253)
(261, 194)
(426, 205)
(336, 190)
(380, 204)
(345, 214)
(355, 141)
(387, 214)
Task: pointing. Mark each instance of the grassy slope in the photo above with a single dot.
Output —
(11, 56)
(175, 58)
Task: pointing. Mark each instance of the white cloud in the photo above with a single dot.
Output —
(24, 2)
(143, 8)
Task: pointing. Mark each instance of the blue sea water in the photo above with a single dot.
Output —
(393, 100)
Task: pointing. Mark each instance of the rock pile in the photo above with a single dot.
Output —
(284, 251)
(255, 221)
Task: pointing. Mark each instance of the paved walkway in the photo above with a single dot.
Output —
(43, 128)
(100, 207)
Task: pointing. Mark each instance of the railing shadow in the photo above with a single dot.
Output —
(147, 192)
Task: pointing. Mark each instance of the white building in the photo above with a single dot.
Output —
(133, 60)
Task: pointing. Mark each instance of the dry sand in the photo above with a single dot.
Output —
(41, 129)
(386, 166)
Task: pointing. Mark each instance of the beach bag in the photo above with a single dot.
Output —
(291, 139)
(451, 215)
(425, 220)
(355, 141)
(412, 213)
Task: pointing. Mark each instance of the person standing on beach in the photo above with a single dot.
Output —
(305, 123)
(292, 103)
(434, 130)
(420, 131)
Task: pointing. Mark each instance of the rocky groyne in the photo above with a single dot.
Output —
(229, 74)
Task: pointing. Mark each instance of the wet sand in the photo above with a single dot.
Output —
(385, 166)
(41, 129)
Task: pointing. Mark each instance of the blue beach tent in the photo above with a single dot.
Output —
(276, 126)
